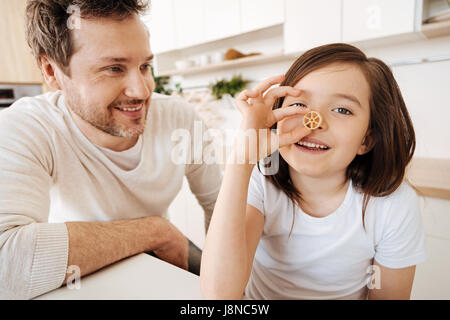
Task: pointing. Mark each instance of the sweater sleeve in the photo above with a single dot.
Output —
(33, 252)
(204, 182)
(201, 169)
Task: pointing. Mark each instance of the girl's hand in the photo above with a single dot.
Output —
(258, 117)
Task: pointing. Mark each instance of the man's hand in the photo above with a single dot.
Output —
(94, 245)
(175, 247)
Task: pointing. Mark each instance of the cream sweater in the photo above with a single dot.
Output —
(50, 173)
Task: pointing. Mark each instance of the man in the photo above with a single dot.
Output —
(82, 182)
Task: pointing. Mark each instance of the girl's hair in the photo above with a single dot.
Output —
(380, 171)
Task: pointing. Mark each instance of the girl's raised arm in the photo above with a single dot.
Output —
(236, 228)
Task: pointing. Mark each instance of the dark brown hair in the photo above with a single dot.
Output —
(379, 172)
(47, 30)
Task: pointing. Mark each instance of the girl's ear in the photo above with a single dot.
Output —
(367, 144)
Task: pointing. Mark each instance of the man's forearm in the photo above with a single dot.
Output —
(93, 245)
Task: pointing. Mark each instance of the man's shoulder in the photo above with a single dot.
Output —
(28, 127)
(36, 106)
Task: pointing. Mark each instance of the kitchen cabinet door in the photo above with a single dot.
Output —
(258, 14)
(222, 18)
(310, 23)
(368, 19)
(17, 64)
(161, 24)
(189, 22)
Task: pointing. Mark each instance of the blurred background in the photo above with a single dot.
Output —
(208, 50)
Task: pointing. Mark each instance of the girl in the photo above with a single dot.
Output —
(336, 220)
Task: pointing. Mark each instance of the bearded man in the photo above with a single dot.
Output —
(86, 170)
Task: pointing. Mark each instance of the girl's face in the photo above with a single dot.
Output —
(340, 93)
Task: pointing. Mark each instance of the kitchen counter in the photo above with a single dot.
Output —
(138, 277)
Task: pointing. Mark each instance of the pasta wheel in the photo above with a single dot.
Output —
(312, 120)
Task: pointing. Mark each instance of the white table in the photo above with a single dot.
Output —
(138, 277)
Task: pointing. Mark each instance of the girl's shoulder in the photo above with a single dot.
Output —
(403, 196)
(395, 209)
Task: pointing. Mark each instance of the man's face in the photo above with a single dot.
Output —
(110, 85)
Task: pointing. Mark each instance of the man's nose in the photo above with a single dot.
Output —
(138, 87)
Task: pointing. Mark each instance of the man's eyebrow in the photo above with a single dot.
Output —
(123, 60)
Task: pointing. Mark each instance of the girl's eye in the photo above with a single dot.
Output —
(343, 111)
(298, 104)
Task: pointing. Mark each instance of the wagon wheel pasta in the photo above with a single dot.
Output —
(312, 120)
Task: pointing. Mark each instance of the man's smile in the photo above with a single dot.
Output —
(131, 111)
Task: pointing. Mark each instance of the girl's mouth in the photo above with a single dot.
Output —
(311, 147)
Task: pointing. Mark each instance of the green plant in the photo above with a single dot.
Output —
(162, 82)
(232, 87)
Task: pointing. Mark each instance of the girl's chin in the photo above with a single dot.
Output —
(304, 166)
(310, 171)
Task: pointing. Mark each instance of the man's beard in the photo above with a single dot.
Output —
(104, 120)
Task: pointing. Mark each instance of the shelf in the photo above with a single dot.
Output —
(242, 62)
(430, 176)
(436, 29)
(21, 83)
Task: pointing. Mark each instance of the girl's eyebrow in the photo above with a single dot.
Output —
(347, 97)
(335, 95)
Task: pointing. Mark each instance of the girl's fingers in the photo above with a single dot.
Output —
(279, 92)
(281, 113)
(242, 98)
(293, 136)
(258, 91)
(246, 94)
(267, 83)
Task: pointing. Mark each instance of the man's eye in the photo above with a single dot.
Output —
(342, 110)
(146, 66)
(298, 104)
(114, 69)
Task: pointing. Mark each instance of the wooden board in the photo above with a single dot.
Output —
(436, 29)
(430, 176)
(17, 65)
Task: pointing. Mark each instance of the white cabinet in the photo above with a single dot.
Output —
(310, 23)
(199, 21)
(222, 18)
(189, 22)
(177, 24)
(161, 24)
(258, 14)
(368, 19)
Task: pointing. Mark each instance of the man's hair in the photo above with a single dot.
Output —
(47, 27)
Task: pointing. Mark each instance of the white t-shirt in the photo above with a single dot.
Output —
(127, 159)
(331, 257)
